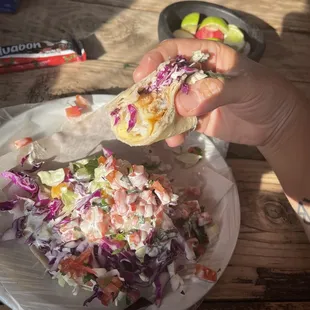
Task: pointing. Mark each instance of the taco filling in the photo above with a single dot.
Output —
(145, 113)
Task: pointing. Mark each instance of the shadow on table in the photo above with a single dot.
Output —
(296, 37)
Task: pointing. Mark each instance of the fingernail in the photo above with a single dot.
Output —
(208, 88)
(145, 66)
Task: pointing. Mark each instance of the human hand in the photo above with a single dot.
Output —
(249, 108)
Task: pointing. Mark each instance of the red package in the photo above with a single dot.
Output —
(43, 54)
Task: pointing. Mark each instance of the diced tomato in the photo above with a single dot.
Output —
(81, 102)
(22, 142)
(103, 227)
(84, 256)
(117, 282)
(133, 295)
(111, 176)
(156, 185)
(133, 207)
(117, 219)
(101, 160)
(134, 238)
(106, 299)
(73, 111)
(159, 215)
(110, 290)
(75, 265)
(56, 191)
(209, 33)
(205, 273)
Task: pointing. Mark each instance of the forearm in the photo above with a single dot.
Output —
(289, 154)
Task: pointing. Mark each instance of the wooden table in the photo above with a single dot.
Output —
(270, 268)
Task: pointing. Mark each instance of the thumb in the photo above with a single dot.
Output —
(204, 96)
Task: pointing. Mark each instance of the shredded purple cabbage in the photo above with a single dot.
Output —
(150, 237)
(24, 159)
(55, 259)
(84, 204)
(35, 166)
(7, 205)
(42, 203)
(97, 293)
(64, 221)
(30, 240)
(116, 115)
(80, 189)
(106, 152)
(133, 116)
(171, 72)
(16, 231)
(185, 88)
(99, 256)
(83, 245)
(130, 267)
(53, 208)
(160, 282)
(22, 180)
(42, 195)
(113, 244)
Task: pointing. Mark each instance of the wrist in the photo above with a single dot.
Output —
(290, 126)
(288, 151)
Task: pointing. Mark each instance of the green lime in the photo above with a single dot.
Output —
(234, 37)
(215, 23)
(190, 22)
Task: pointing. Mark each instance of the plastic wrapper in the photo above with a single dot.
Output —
(24, 284)
(35, 55)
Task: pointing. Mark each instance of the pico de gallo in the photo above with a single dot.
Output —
(111, 227)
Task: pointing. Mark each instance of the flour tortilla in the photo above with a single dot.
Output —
(169, 125)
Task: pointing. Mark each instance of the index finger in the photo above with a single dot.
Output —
(185, 47)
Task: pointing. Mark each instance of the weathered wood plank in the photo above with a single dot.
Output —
(125, 35)
(272, 257)
(290, 15)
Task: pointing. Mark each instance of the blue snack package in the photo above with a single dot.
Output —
(9, 6)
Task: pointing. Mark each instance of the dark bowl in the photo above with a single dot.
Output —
(171, 17)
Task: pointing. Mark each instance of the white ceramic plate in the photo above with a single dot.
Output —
(45, 119)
